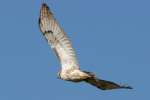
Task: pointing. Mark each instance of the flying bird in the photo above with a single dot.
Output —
(62, 46)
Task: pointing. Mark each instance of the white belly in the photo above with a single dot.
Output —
(73, 75)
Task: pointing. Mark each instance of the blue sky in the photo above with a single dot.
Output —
(111, 39)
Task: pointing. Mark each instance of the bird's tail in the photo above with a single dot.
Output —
(103, 84)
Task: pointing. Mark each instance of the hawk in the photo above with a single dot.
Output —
(62, 46)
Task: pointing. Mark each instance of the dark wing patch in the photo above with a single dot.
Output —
(105, 85)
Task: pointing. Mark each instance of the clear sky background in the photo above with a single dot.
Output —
(111, 39)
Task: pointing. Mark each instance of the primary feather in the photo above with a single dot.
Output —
(57, 39)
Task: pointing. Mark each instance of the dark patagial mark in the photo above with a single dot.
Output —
(48, 32)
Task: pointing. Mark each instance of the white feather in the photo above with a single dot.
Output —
(57, 39)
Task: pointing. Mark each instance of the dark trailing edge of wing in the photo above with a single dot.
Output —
(103, 84)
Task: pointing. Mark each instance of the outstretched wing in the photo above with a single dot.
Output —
(57, 39)
(103, 84)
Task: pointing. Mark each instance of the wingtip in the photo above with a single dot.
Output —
(45, 10)
(44, 5)
(43, 2)
(126, 87)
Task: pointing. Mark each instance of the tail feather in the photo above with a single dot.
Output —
(103, 84)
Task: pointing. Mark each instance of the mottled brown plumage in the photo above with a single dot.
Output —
(59, 42)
